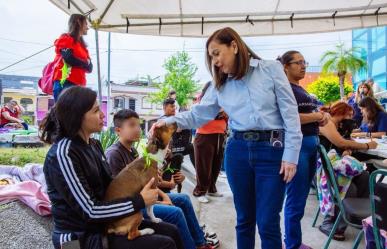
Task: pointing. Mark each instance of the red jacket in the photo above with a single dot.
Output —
(77, 75)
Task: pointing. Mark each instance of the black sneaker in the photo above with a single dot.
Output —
(213, 242)
(208, 234)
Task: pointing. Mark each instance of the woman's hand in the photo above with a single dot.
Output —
(372, 145)
(325, 119)
(149, 194)
(164, 199)
(158, 124)
(289, 170)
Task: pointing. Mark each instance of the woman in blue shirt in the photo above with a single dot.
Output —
(374, 118)
(297, 190)
(262, 151)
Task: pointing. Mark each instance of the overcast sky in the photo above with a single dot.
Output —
(28, 26)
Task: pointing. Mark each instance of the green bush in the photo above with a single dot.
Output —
(21, 156)
(27, 119)
(107, 138)
(327, 88)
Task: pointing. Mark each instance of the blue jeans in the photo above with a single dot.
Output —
(57, 89)
(253, 174)
(297, 192)
(183, 216)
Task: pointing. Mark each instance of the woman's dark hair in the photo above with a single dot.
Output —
(123, 115)
(373, 108)
(287, 57)
(226, 36)
(75, 23)
(66, 117)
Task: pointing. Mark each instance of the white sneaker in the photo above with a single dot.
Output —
(216, 194)
(222, 174)
(203, 199)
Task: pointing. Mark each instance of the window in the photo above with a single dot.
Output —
(145, 103)
(381, 80)
(7, 99)
(119, 103)
(358, 32)
(378, 38)
(132, 104)
(26, 101)
(159, 107)
(361, 41)
(379, 66)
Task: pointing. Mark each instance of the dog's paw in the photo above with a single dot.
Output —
(147, 231)
(156, 220)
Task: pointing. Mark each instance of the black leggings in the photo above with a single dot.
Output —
(166, 237)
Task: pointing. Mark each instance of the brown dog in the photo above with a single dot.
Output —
(131, 180)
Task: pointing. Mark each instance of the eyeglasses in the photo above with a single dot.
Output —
(300, 63)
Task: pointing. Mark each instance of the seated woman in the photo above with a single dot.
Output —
(78, 175)
(9, 115)
(374, 119)
(336, 135)
(363, 90)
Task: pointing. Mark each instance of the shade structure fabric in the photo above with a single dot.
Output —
(200, 18)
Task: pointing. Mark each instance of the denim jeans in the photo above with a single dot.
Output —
(297, 192)
(252, 169)
(183, 216)
(58, 88)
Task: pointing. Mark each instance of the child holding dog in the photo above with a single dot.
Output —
(262, 151)
(173, 208)
(77, 176)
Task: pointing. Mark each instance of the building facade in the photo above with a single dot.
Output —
(135, 97)
(372, 45)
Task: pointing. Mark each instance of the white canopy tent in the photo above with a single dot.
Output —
(198, 18)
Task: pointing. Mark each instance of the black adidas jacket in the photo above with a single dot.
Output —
(77, 176)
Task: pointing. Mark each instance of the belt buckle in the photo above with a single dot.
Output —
(251, 136)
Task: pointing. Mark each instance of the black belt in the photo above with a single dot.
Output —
(262, 136)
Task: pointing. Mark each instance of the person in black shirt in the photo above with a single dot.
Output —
(78, 175)
(297, 190)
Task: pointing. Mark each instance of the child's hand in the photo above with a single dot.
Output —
(178, 177)
(165, 200)
(172, 183)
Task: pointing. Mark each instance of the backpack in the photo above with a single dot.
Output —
(46, 83)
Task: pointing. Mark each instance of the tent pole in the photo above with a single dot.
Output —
(98, 67)
(108, 83)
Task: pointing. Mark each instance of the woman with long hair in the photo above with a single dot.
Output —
(311, 118)
(262, 151)
(363, 90)
(336, 134)
(374, 119)
(72, 56)
(78, 175)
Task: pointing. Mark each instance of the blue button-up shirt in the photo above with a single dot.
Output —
(261, 100)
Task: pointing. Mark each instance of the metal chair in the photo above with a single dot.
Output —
(351, 210)
(378, 197)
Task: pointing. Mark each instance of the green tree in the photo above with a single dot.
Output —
(179, 77)
(327, 88)
(341, 61)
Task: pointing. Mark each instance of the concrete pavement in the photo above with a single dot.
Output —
(219, 215)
